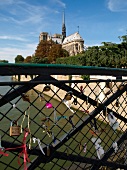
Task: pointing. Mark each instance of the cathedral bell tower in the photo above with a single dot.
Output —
(63, 27)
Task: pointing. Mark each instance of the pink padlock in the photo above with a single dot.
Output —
(48, 105)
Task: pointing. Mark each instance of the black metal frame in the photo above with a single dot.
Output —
(43, 73)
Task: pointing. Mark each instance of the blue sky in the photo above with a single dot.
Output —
(21, 22)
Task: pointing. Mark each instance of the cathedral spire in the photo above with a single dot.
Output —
(63, 26)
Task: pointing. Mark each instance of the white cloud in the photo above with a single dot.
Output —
(57, 12)
(28, 20)
(60, 3)
(117, 5)
(12, 38)
(22, 12)
(9, 53)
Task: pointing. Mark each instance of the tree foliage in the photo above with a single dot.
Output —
(3, 61)
(49, 51)
(107, 55)
(19, 59)
(43, 48)
(27, 59)
(39, 60)
(55, 52)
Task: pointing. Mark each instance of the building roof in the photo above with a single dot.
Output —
(73, 37)
(57, 40)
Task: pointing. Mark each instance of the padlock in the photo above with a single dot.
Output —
(68, 95)
(47, 88)
(117, 102)
(42, 98)
(121, 86)
(108, 92)
(14, 130)
(25, 97)
(105, 111)
(87, 100)
(109, 84)
(75, 101)
(48, 150)
(46, 121)
(97, 102)
(80, 146)
(48, 105)
(81, 89)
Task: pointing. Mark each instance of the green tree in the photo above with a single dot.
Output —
(123, 38)
(107, 55)
(19, 59)
(39, 60)
(3, 61)
(27, 59)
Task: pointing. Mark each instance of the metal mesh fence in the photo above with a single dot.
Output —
(63, 124)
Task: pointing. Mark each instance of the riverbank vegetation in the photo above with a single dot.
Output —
(107, 55)
(3, 61)
(46, 52)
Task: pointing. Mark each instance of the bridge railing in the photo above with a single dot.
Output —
(53, 119)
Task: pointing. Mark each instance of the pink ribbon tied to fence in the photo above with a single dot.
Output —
(2, 153)
(24, 151)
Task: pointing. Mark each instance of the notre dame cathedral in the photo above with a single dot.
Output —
(73, 43)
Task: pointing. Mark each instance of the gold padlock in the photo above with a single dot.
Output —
(14, 130)
(109, 84)
(121, 86)
(48, 150)
(68, 95)
(80, 146)
(42, 98)
(25, 97)
(47, 88)
(97, 101)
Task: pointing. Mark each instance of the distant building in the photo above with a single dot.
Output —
(56, 37)
(63, 28)
(43, 36)
(73, 43)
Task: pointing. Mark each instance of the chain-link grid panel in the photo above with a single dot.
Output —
(67, 125)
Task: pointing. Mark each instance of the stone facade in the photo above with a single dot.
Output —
(73, 43)
(44, 36)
